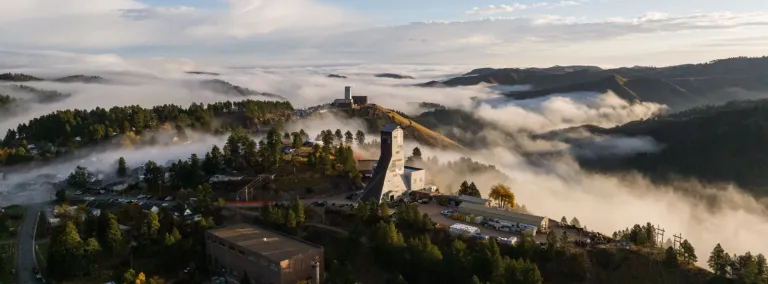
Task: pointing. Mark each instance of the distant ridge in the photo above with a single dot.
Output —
(226, 88)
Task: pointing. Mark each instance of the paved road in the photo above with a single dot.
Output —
(26, 252)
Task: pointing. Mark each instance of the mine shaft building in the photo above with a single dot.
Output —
(391, 178)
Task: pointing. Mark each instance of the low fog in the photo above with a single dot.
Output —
(558, 111)
(705, 215)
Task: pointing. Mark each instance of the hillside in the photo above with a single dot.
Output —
(81, 79)
(393, 76)
(715, 144)
(18, 77)
(377, 116)
(679, 87)
(228, 89)
(614, 83)
(35, 95)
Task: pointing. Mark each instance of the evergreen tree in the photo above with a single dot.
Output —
(689, 253)
(297, 143)
(360, 138)
(290, 220)
(80, 178)
(348, 138)
(717, 261)
(113, 235)
(298, 210)
(564, 221)
(339, 136)
(761, 266)
(152, 224)
(122, 171)
(154, 176)
(416, 153)
(66, 252)
(670, 257)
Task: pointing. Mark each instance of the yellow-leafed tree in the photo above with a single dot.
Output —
(502, 195)
(141, 278)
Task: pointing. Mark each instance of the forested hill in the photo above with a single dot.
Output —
(724, 143)
(679, 87)
(57, 133)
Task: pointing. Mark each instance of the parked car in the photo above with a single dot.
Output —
(447, 212)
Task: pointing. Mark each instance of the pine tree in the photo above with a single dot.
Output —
(122, 171)
(297, 143)
(290, 220)
(298, 210)
(564, 221)
(670, 257)
(360, 138)
(689, 253)
(717, 261)
(348, 138)
(113, 237)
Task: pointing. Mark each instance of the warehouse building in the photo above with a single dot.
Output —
(469, 208)
(265, 256)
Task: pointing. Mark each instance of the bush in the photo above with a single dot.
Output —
(15, 212)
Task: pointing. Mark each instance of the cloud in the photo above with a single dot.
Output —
(704, 214)
(113, 24)
(558, 111)
(495, 9)
(264, 33)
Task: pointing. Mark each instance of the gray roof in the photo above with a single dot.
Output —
(472, 199)
(390, 127)
(273, 245)
(481, 210)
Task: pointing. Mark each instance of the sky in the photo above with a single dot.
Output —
(524, 33)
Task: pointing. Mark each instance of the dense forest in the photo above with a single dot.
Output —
(64, 130)
(18, 77)
(713, 143)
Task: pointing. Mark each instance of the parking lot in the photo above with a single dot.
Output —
(433, 211)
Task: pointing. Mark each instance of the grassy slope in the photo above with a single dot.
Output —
(377, 116)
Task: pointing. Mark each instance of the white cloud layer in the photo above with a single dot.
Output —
(265, 32)
(495, 9)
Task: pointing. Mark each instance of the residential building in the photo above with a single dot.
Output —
(265, 256)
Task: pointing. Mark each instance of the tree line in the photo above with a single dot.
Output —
(58, 132)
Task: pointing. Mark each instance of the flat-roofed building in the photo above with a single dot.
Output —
(469, 208)
(266, 256)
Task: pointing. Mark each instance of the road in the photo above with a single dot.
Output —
(26, 251)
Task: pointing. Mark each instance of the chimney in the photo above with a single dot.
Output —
(347, 92)
(316, 275)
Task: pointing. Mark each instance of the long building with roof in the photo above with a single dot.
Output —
(391, 179)
(265, 256)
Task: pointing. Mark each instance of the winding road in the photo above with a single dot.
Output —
(26, 241)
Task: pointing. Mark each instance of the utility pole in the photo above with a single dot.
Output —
(677, 241)
(660, 236)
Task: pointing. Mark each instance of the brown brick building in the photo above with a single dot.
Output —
(267, 257)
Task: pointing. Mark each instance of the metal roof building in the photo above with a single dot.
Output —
(479, 210)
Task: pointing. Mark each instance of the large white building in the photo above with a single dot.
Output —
(391, 178)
